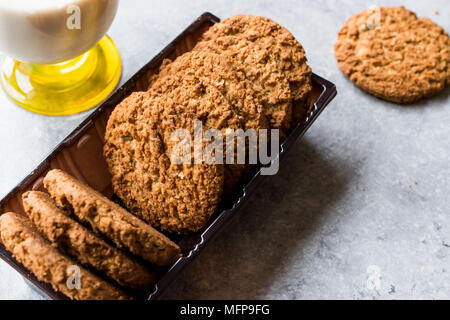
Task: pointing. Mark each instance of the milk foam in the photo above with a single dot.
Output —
(37, 30)
(34, 5)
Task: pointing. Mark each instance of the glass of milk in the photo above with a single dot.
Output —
(58, 60)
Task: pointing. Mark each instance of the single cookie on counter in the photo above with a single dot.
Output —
(111, 220)
(77, 241)
(139, 150)
(281, 46)
(48, 264)
(393, 54)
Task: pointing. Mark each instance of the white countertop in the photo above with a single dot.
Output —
(359, 210)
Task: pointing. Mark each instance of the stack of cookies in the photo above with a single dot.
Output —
(248, 72)
(74, 239)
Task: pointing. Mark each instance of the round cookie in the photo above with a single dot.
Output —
(48, 264)
(268, 82)
(283, 48)
(394, 55)
(214, 74)
(175, 197)
(213, 70)
(109, 219)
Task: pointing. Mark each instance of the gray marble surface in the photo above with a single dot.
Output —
(359, 210)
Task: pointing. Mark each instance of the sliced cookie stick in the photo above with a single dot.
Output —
(108, 218)
(77, 241)
(48, 264)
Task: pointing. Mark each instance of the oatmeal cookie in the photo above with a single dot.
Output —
(279, 44)
(139, 150)
(213, 70)
(268, 83)
(214, 74)
(109, 219)
(393, 54)
(48, 264)
(77, 241)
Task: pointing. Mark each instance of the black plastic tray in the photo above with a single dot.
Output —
(84, 160)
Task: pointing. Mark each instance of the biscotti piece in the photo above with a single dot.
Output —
(77, 241)
(107, 218)
(48, 264)
(393, 54)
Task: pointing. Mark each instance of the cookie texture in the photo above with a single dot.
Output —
(275, 44)
(206, 75)
(177, 196)
(268, 82)
(48, 264)
(393, 54)
(80, 243)
(210, 69)
(109, 219)
(248, 72)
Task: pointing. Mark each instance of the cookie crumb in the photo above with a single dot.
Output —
(436, 12)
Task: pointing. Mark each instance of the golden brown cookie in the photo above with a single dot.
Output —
(109, 219)
(139, 147)
(394, 55)
(199, 71)
(214, 70)
(268, 82)
(77, 241)
(276, 44)
(48, 264)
